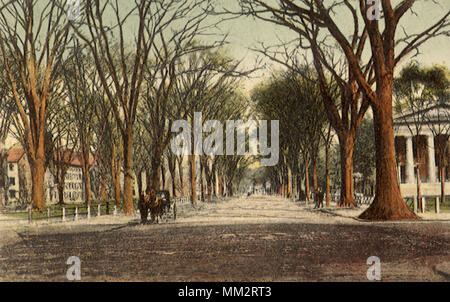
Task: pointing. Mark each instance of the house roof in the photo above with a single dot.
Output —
(437, 113)
(14, 155)
(74, 158)
(66, 156)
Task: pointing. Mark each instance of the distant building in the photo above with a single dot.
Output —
(428, 152)
(15, 158)
(19, 178)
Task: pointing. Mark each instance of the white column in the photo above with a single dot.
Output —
(409, 160)
(431, 162)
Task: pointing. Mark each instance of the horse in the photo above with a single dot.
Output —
(318, 199)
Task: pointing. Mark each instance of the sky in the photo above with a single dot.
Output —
(246, 33)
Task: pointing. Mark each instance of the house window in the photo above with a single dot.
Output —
(12, 181)
(12, 194)
(11, 167)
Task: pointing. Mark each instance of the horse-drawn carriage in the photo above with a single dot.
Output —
(157, 204)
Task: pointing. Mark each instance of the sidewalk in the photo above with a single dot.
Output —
(355, 212)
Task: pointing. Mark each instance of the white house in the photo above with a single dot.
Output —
(423, 149)
(13, 158)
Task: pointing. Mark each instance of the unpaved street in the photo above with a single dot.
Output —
(259, 238)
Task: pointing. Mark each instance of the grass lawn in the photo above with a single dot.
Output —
(56, 210)
(430, 204)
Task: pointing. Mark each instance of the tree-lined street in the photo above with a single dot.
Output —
(293, 140)
(250, 239)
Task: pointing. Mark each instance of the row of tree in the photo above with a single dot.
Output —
(111, 83)
(356, 62)
(307, 138)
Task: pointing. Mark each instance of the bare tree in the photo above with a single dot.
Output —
(314, 21)
(33, 37)
(83, 94)
(295, 102)
(7, 112)
(62, 142)
(107, 147)
(335, 78)
(152, 20)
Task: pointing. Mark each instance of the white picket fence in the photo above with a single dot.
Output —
(359, 198)
(181, 200)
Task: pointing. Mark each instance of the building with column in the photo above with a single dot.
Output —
(421, 143)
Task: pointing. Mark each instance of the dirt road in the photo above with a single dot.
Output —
(249, 239)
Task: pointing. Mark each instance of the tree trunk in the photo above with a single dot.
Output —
(316, 184)
(87, 183)
(220, 186)
(388, 203)
(174, 188)
(419, 193)
(210, 188)
(103, 188)
(307, 192)
(140, 184)
(180, 175)
(213, 181)
(346, 145)
(60, 174)
(209, 178)
(293, 184)
(60, 188)
(163, 177)
(193, 180)
(229, 189)
(171, 163)
(442, 171)
(37, 185)
(202, 186)
(128, 206)
(115, 173)
(327, 174)
(289, 183)
(153, 181)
